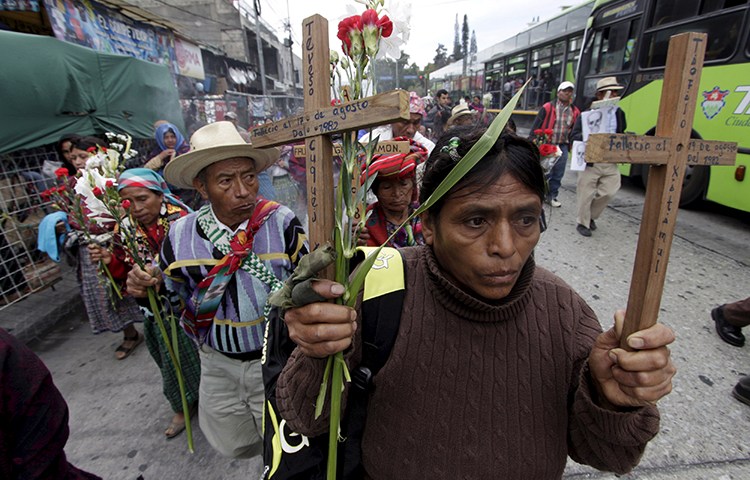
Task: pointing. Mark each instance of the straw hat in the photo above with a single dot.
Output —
(608, 83)
(211, 144)
(458, 111)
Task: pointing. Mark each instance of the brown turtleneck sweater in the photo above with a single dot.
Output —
(478, 391)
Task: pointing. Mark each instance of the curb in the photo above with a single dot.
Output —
(35, 315)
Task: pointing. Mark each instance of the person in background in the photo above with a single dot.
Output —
(396, 190)
(170, 143)
(476, 104)
(729, 320)
(559, 116)
(33, 418)
(439, 114)
(155, 209)
(461, 115)
(222, 262)
(499, 368)
(404, 128)
(105, 314)
(64, 149)
(598, 183)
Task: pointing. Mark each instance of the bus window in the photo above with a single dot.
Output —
(714, 5)
(612, 48)
(668, 11)
(723, 35)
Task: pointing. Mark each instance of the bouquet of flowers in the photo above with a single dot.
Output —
(98, 187)
(89, 218)
(549, 152)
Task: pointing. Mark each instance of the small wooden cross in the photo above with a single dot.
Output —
(320, 120)
(668, 153)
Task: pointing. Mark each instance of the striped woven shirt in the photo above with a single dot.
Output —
(187, 257)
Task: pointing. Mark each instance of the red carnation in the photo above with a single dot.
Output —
(126, 204)
(548, 131)
(61, 172)
(547, 149)
(97, 192)
(386, 26)
(61, 189)
(348, 28)
(538, 131)
(91, 149)
(109, 184)
(370, 17)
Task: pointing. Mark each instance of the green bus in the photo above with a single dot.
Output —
(545, 53)
(628, 39)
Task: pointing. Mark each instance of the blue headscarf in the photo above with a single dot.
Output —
(147, 178)
(162, 129)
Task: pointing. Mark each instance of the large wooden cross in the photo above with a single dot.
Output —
(320, 120)
(668, 153)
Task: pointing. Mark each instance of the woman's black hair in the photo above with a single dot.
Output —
(68, 137)
(510, 154)
(84, 143)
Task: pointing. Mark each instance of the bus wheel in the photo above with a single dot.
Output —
(693, 185)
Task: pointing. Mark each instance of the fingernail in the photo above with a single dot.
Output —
(337, 289)
(352, 315)
(636, 342)
(613, 357)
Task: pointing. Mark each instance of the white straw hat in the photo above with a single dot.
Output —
(211, 144)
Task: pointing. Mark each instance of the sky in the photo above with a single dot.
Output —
(432, 22)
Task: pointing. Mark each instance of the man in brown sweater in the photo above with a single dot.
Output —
(499, 369)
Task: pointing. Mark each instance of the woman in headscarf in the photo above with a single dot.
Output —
(154, 209)
(170, 144)
(105, 313)
(395, 187)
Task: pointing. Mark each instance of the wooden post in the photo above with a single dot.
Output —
(319, 121)
(668, 152)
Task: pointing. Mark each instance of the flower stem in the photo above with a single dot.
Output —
(337, 386)
(112, 282)
(173, 350)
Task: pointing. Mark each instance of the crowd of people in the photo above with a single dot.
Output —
(215, 223)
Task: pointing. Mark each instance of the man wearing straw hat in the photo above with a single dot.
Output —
(223, 261)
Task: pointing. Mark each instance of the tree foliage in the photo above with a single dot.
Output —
(441, 56)
(457, 51)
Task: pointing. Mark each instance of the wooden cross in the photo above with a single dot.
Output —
(320, 120)
(668, 153)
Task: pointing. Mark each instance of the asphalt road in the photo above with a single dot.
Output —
(118, 413)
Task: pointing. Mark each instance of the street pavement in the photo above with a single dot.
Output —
(118, 413)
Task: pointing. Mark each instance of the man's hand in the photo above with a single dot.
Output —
(97, 253)
(322, 329)
(632, 378)
(138, 281)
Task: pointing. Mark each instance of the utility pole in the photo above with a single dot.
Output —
(256, 15)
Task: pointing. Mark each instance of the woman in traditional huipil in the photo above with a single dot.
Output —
(154, 208)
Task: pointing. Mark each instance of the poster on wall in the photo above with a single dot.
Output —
(189, 59)
(92, 25)
(19, 5)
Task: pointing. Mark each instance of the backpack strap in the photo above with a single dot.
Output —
(382, 301)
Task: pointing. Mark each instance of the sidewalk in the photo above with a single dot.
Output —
(33, 316)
